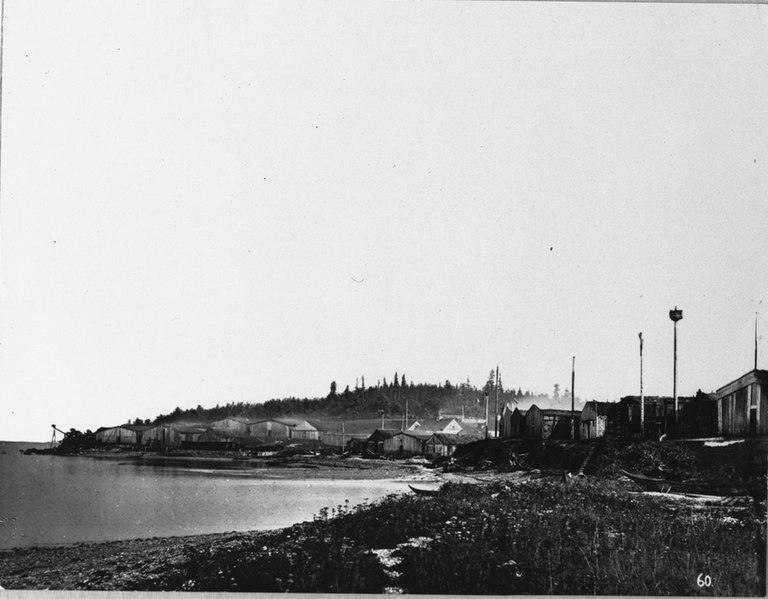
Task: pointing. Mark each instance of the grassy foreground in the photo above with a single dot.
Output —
(539, 538)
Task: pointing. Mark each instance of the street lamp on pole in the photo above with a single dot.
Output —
(674, 316)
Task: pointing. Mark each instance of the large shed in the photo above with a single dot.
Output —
(742, 405)
(237, 426)
(445, 444)
(284, 428)
(547, 424)
(593, 420)
(123, 434)
(405, 443)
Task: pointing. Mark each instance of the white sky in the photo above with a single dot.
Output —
(190, 191)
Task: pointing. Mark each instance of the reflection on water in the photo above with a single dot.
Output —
(48, 499)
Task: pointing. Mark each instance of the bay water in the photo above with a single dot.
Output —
(47, 500)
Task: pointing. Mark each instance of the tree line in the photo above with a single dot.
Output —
(389, 399)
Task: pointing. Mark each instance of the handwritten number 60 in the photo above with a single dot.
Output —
(704, 580)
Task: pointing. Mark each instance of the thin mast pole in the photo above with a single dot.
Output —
(573, 397)
(642, 399)
(755, 340)
(496, 411)
(674, 374)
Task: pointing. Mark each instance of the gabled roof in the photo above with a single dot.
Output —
(381, 435)
(429, 424)
(752, 376)
(450, 439)
(235, 418)
(187, 429)
(414, 435)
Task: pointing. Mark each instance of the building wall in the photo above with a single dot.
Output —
(533, 423)
(270, 428)
(401, 444)
(517, 424)
(117, 436)
(744, 410)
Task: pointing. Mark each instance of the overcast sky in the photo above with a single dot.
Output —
(212, 202)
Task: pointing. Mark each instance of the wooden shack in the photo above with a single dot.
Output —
(405, 444)
(533, 423)
(375, 442)
(284, 428)
(593, 420)
(444, 444)
(123, 434)
(624, 416)
(547, 424)
(742, 405)
(237, 426)
(517, 423)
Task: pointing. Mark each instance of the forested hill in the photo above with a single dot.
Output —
(423, 400)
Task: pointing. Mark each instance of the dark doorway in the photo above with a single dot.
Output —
(753, 421)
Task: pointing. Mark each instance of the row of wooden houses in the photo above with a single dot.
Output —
(431, 437)
(739, 408)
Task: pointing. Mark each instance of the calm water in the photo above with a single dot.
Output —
(50, 500)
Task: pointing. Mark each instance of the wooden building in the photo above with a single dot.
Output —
(517, 423)
(123, 434)
(405, 444)
(189, 434)
(547, 424)
(444, 444)
(375, 441)
(593, 420)
(237, 426)
(162, 436)
(624, 416)
(742, 405)
(445, 425)
(284, 428)
(512, 423)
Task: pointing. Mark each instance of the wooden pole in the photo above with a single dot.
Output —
(755, 340)
(573, 398)
(496, 410)
(642, 400)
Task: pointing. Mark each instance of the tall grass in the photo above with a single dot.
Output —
(544, 538)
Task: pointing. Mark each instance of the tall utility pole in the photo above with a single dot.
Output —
(755, 340)
(642, 400)
(496, 411)
(573, 398)
(675, 315)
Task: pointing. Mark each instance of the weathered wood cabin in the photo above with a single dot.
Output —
(237, 426)
(375, 442)
(512, 423)
(405, 443)
(593, 420)
(123, 434)
(742, 405)
(548, 423)
(624, 416)
(284, 428)
(444, 444)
